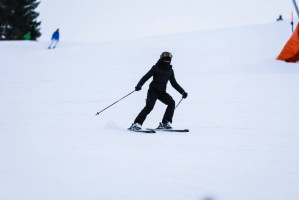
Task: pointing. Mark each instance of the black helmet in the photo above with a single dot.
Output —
(166, 56)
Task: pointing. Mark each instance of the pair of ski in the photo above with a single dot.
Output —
(154, 130)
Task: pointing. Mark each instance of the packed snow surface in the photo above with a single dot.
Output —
(242, 112)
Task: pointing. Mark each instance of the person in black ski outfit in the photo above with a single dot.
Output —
(161, 72)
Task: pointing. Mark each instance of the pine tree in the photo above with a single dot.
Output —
(18, 18)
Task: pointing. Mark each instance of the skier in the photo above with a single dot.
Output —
(54, 39)
(279, 18)
(161, 72)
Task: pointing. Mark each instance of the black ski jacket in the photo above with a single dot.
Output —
(161, 73)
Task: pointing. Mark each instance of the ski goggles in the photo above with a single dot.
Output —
(166, 55)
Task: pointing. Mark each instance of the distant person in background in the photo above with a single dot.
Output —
(279, 18)
(54, 40)
(27, 36)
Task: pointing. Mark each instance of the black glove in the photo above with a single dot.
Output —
(184, 95)
(137, 88)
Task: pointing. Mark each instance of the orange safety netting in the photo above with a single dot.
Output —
(290, 52)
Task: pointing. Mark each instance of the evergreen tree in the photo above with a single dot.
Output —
(18, 18)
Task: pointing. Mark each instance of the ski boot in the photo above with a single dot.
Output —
(136, 126)
(164, 125)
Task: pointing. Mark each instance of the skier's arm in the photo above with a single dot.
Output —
(175, 85)
(147, 76)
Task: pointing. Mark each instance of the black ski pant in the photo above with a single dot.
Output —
(152, 96)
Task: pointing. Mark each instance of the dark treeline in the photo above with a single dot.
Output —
(18, 20)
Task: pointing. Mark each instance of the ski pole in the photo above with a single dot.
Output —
(114, 103)
(179, 103)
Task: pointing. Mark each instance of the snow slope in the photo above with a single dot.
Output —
(242, 112)
(101, 20)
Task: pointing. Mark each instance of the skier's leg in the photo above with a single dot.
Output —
(150, 103)
(55, 44)
(168, 100)
(50, 46)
